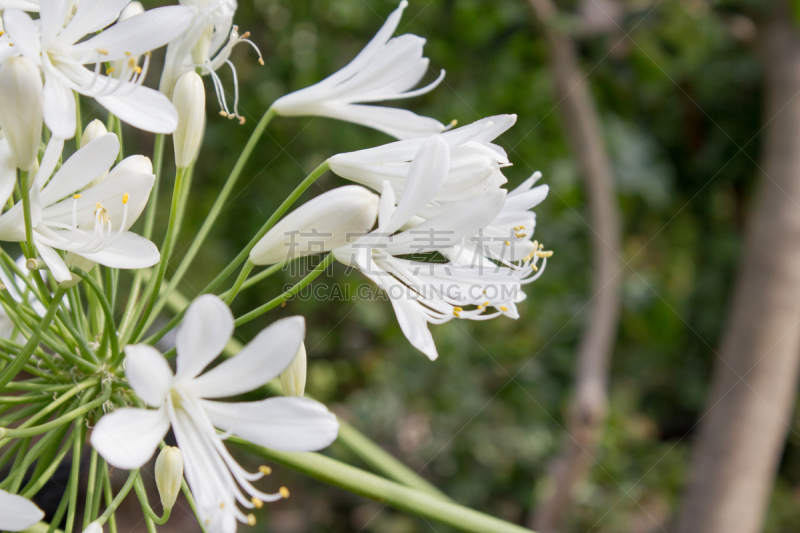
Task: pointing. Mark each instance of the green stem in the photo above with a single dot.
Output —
(237, 285)
(377, 488)
(109, 496)
(166, 251)
(140, 492)
(16, 365)
(24, 177)
(275, 302)
(90, 488)
(75, 474)
(126, 488)
(104, 305)
(78, 120)
(219, 204)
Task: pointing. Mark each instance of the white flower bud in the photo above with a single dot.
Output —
(330, 220)
(169, 474)
(21, 109)
(94, 527)
(293, 377)
(189, 99)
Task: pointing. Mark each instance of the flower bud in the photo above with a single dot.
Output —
(131, 10)
(94, 527)
(169, 474)
(330, 220)
(189, 99)
(21, 109)
(293, 377)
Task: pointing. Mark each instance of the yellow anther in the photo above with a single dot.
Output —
(76, 196)
(535, 245)
(520, 235)
(223, 113)
(2, 33)
(456, 314)
(98, 205)
(109, 70)
(241, 121)
(535, 268)
(260, 61)
(137, 69)
(459, 309)
(128, 53)
(284, 492)
(245, 35)
(541, 246)
(453, 123)
(486, 304)
(251, 519)
(222, 505)
(503, 308)
(258, 503)
(541, 253)
(132, 62)
(508, 243)
(265, 470)
(125, 198)
(102, 51)
(208, 522)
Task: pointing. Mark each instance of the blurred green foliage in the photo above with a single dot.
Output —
(678, 86)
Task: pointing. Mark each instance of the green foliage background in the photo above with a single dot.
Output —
(678, 86)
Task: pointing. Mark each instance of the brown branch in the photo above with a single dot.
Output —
(581, 124)
(755, 377)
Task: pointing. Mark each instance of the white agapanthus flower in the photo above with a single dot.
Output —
(207, 45)
(475, 161)
(24, 5)
(128, 437)
(60, 52)
(508, 239)
(17, 513)
(91, 223)
(386, 69)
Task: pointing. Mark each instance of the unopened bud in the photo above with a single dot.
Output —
(21, 109)
(169, 474)
(293, 378)
(94, 527)
(92, 131)
(189, 99)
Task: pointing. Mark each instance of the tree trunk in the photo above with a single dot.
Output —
(754, 382)
(588, 409)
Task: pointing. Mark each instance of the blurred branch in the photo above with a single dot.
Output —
(581, 124)
(754, 384)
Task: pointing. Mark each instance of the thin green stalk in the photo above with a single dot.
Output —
(62, 507)
(78, 120)
(90, 488)
(147, 232)
(16, 365)
(24, 188)
(219, 204)
(75, 474)
(237, 285)
(377, 488)
(126, 488)
(148, 511)
(187, 493)
(275, 302)
(109, 496)
(166, 252)
(105, 306)
(243, 255)
(44, 477)
(118, 131)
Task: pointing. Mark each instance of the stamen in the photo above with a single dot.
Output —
(520, 235)
(541, 253)
(125, 198)
(109, 70)
(503, 308)
(251, 519)
(76, 196)
(265, 470)
(535, 268)
(284, 492)
(258, 503)
(508, 243)
(102, 51)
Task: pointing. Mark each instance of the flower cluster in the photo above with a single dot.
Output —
(427, 220)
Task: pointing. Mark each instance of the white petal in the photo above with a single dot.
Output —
(414, 326)
(17, 513)
(129, 251)
(8, 173)
(204, 332)
(22, 31)
(147, 373)
(59, 107)
(263, 359)
(386, 207)
(91, 16)
(128, 437)
(287, 424)
(52, 14)
(138, 34)
(58, 268)
(84, 166)
(426, 174)
(330, 220)
(143, 108)
(399, 123)
(52, 155)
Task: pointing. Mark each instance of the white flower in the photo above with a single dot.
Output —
(17, 513)
(475, 161)
(23, 5)
(329, 221)
(423, 293)
(386, 69)
(94, 223)
(60, 53)
(207, 45)
(128, 437)
(508, 239)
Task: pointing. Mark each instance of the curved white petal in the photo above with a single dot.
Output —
(128, 251)
(426, 174)
(59, 107)
(413, 324)
(91, 16)
(22, 32)
(84, 166)
(143, 108)
(399, 123)
(147, 373)
(128, 437)
(138, 34)
(52, 155)
(58, 268)
(8, 173)
(287, 424)
(330, 220)
(204, 332)
(17, 513)
(261, 360)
